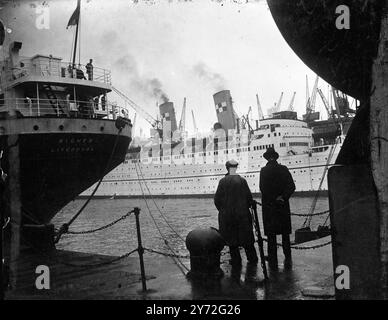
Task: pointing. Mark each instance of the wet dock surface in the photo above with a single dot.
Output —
(312, 271)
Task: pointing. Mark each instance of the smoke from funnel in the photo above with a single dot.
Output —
(216, 80)
(149, 87)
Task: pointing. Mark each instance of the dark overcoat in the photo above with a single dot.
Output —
(233, 199)
(276, 180)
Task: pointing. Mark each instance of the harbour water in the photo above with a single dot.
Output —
(183, 215)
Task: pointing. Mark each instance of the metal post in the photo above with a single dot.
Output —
(140, 249)
(37, 98)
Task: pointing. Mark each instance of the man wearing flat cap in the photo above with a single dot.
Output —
(276, 186)
(233, 199)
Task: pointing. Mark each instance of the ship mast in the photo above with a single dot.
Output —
(74, 20)
(75, 44)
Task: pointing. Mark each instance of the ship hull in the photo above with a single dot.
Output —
(53, 166)
(342, 57)
(135, 179)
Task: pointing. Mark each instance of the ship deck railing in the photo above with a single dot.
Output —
(56, 68)
(29, 107)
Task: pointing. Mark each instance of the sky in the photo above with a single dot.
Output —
(169, 48)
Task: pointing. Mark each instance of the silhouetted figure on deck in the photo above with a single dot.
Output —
(233, 199)
(276, 186)
(89, 69)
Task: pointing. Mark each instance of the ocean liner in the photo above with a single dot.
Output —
(192, 166)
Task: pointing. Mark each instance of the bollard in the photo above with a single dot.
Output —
(205, 247)
(140, 249)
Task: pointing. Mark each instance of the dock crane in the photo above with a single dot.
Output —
(259, 110)
(307, 91)
(326, 104)
(133, 130)
(277, 107)
(310, 106)
(156, 124)
(182, 122)
(194, 123)
(134, 122)
(291, 105)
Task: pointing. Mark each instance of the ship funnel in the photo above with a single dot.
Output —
(167, 113)
(224, 109)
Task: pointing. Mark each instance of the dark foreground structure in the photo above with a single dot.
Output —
(352, 56)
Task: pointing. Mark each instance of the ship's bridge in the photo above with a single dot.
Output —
(53, 71)
(288, 136)
(44, 85)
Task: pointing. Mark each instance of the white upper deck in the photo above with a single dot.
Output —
(52, 70)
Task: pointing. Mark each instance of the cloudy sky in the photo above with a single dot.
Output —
(173, 48)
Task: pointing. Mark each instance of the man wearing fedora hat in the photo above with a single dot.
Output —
(276, 186)
(233, 199)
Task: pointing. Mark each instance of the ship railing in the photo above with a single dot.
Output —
(56, 68)
(31, 107)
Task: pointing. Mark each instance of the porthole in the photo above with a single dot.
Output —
(36, 127)
(61, 127)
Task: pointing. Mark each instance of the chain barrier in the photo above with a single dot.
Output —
(97, 264)
(167, 254)
(42, 253)
(103, 227)
(310, 215)
(302, 247)
(176, 255)
(302, 214)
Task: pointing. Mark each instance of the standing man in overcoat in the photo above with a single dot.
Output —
(233, 199)
(276, 186)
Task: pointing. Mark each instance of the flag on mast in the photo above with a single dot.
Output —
(74, 19)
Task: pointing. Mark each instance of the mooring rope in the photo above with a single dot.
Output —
(179, 264)
(308, 219)
(157, 207)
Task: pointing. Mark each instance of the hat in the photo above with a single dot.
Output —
(231, 164)
(271, 153)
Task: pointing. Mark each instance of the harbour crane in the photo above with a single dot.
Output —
(259, 110)
(194, 123)
(307, 91)
(154, 123)
(134, 122)
(277, 107)
(291, 105)
(133, 130)
(182, 122)
(325, 103)
(310, 106)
